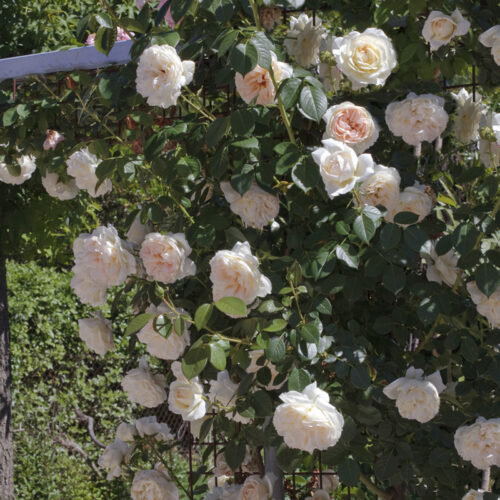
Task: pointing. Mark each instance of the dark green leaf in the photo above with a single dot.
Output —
(299, 379)
(390, 235)
(217, 130)
(364, 228)
(289, 92)
(394, 278)
(487, 278)
(138, 323)
(202, 315)
(313, 103)
(242, 121)
(275, 351)
(232, 306)
(194, 361)
(217, 356)
(235, 453)
(244, 58)
(105, 39)
(349, 472)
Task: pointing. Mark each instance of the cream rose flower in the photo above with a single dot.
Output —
(340, 168)
(87, 290)
(149, 426)
(352, 125)
(270, 16)
(126, 432)
(161, 74)
(489, 152)
(417, 118)
(185, 396)
(153, 485)
(489, 307)
(381, 188)
(223, 391)
(468, 116)
(439, 28)
(102, 258)
(235, 273)
(165, 257)
(27, 166)
(257, 208)
(112, 458)
(366, 58)
(416, 398)
(473, 495)
(479, 443)
(256, 488)
(138, 231)
(257, 84)
(97, 333)
(58, 189)
(416, 199)
(223, 469)
(256, 364)
(330, 480)
(304, 39)
(491, 39)
(143, 387)
(226, 492)
(307, 421)
(440, 268)
(170, 348)
(53, 139)
(82, 165)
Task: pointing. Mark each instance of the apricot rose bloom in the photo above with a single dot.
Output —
(381, 188)
(52, 140)
(258, 84)
(351, 124)
(417, 199)
(440, 28)
(366, 58)
(307, 421)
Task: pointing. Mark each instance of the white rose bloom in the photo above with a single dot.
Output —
(87, 290)
(126, 432)
(256, 488)
(303, 39)
(223, 390)
(254, 367)
(440, 268)
(489, 152)
(366, 58)
(307, 421)
(165, 257)
(226, 492)
(170, 348)
(340, 168)
(417, 118)
(489, 307)
(320, 494)
(468, 116)
(149, 426)
(381, 188)
(330, 76)
(82, 166)
(57, 189)
(221, 481)
(102, 258)
(112, 458)
(257, 84)
(235, 273)
(416, 398)
(153, 485)
(161, 74)
(439, 28)
(257, 208)
(185, 397)
(351, 124)
(143, 387)
(491, 39)
(97, 333)
(52, 140)
(479, 443)
(223, 469)
(416, 199)
(138, 231)
(330, 480)
(27, 165)
(473, 495)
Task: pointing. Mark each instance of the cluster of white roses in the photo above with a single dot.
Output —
(27, 166)
(489, 307)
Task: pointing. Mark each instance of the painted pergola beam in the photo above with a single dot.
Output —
(63, 60)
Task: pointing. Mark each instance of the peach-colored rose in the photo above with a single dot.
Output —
(258, 82)
(52, 140)
(351, 124)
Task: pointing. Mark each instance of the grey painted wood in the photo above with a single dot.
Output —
(63, 60)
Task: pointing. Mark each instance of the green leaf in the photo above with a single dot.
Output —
(194, 361)
(217, 130)
(313, 103)
(224, 41)
(394, 278)
(155, 145)
(299, 379)
(133, 25)
(104, 20)
(390, 235)
(304, 176)
(289, 91)
(202, 315)
(162, 324)
(349, 472)
(235, 453)
(364, 228)
(487, 278)
(310, 332)
(323, 306)
(217, 356)
(10, 117)
(139, 46)
(386, 466)
(405, 218)
(264, 48)
(166, 37)
(346, 255)
(428, 310)
(105, 39)
(242, 180)
(250, 143)
(465, 237)
(276, 325)
(138, 323)
(414, 238)
(178, 9)
(179, 326)
(275, 351)
(360, 377)
(262, 403)
(244, 58)
(232, 306)
(242, 121)
(109, 87)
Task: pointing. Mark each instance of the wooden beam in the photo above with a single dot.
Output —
(63, 60)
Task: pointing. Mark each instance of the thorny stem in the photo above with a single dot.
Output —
(256, 14)
(296, 298)
(281, 107)
(113, 15)
(200, 105)
(179, 204)
(373, 488)
(430, 334)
